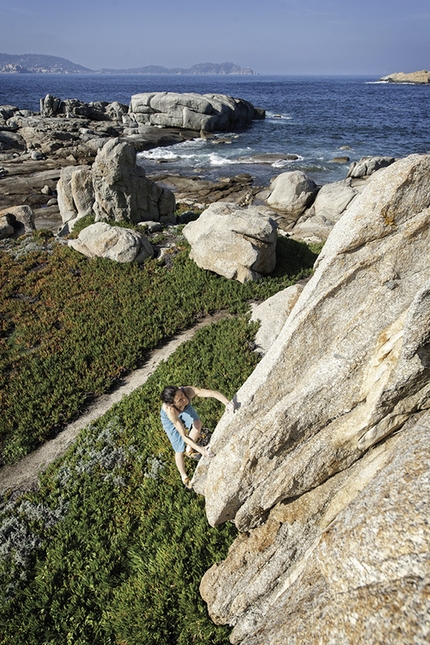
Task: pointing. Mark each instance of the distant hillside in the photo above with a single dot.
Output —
(41, 64)
(201, 68)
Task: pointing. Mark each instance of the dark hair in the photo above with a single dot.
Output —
(168, 394)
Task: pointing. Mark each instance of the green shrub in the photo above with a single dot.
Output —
(71, 327)
(81, 223)
(112, 548)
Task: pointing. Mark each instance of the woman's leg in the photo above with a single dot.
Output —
(195, 430)
(180, 464)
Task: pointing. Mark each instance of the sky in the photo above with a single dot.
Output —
(369, 37)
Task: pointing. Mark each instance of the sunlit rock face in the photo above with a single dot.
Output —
(324, 466)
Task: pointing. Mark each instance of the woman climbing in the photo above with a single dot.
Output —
(182, 424)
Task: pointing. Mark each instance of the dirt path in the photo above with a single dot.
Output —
(23, 475)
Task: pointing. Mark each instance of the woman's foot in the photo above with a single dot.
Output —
(187, 482)
(193, 454)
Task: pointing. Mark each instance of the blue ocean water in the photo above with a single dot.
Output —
(313, 118)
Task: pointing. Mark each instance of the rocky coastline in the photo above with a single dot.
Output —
(324, 467)
(35, 147)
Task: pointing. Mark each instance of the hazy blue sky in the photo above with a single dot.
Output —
(373, 37)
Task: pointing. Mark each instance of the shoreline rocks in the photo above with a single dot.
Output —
(114, 188)
(292, 192)
(34, 147)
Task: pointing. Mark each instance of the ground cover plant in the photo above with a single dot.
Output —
(112, 547)
(70, 327)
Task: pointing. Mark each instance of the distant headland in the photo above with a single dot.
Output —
(43, 64)
(418, 78)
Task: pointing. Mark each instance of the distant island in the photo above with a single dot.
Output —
(418, 78)
(42, 64)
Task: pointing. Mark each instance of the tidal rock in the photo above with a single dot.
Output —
(368, 165)
(114, 188)
(49, 136)
(49, 105)
(342, 159)
(327, 454)
(237, 243)
(112, 242)
(7, 112)
(75, 192)
(81, 185)
(11, 141)
(191, 111)
(35, 155)
(96, 111)
(292, 192)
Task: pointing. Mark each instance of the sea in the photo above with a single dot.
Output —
(310, 120)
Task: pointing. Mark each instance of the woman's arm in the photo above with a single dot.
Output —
(191, 392)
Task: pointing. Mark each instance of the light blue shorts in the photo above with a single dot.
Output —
(188, 416)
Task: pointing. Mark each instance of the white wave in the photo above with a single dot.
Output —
(173, 152)
(278, 116)
(389, 83)
(282, 163)
(216, 159)
(158, 154)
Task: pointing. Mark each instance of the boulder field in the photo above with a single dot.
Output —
(324, 466)
(34, 147)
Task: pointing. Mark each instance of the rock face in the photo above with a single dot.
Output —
(191, 111)
(292, 192)
(112, 242)
(420, 78)
(272, 313)
(324, 467)
(237, 243)
(114, 188)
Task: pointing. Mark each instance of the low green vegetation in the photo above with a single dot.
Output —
(112, 548)
(71, 327)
